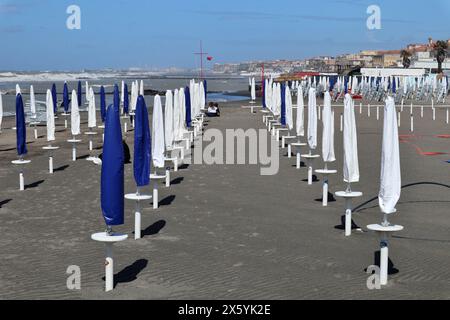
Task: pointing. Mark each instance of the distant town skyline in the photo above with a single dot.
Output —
(156, 35)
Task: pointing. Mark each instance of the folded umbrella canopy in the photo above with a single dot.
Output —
(328, 130)
(141, 90)
(390, 181)
(142, 145)
(158, 145)
(75, 115)
(112, 176)
(205, 87)
(253, 89)
(176, 116)
(187, 95)
(351, 165)
(182, 104)
(168, 121)
(66, 98)
(50, 117)
(18, 91)
(312, 119)
(202, 99)
(21, 129)
(300, 123)
(283, 105)
(79, 94)
(116, 97)
(289, 116)
(102, 103)
(87, 92)
(277, 91)
(126, 103)
(92, 118)
(264, 94)
(122, 92)
(32, 101)
(55, 99)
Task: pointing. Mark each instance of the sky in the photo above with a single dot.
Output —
(121, 34)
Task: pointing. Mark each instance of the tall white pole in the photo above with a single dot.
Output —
(384, 259)
(412, 123)
(109, 268)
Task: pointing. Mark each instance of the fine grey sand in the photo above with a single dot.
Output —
(226, 232)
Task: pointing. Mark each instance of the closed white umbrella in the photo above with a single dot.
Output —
(328, 130)
(122, 93)
(289, 117)
(50, 117)
(1, 111)
(176, 116)
(32, 101)
(300, 123)
(277, 91)
(92, 119)
(182, 114)
(351, 164)
(390, 182)
(75, 115)
(202, 98)
(312, 119)
(253, 89)
(141, 91)
(87, 92)
(169, 120)
(158, 145)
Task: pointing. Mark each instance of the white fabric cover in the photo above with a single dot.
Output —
(390, 181)
(328, 130)
(32, 101)
(50, 117)
(75, 115)
(92, 119)
(312, 119)
(169, 120)
(176, 116)
(289, 117)
(351, 164)
(158, 145)
(18, 89)
(300, 123)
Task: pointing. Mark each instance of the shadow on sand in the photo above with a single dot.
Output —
(62, 168)
(167, 201)
(34, 184)
(130, 273)
(342, 225)
(2, 203)
(177, 181)
(391, 268)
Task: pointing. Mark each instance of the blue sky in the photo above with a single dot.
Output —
(155, 34)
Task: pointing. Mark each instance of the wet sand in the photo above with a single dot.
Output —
(226, 232)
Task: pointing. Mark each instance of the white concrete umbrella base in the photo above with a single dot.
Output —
(384, 233)
(325, 173)
(21, 163)
(348, 196)
(297, 145)
(109, 241)
(137, 215)
(309, 163)
(50, 150)
(74, 148)
(34, 124)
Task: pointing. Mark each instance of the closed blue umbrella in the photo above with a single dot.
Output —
(187, 95)
(126, 101)
(102, 103)
(79, 93)
(142, 145)
(283, 105)
(55, 101)
(345, 85)
(205, 85)
(66, 98)
(21, 130)
(116, 97)
(264, 94)
(112, 177)
(394, 86)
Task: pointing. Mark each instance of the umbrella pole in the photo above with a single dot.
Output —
(155, 196)
(137, 217)
(167, 177)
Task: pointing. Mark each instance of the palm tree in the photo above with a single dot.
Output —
(406, 56)
(440, 52)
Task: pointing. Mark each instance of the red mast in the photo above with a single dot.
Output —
(201, 54)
